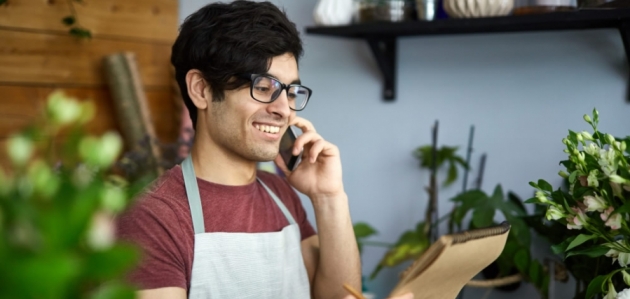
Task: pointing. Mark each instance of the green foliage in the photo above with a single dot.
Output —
(72, 21)
(410, 245)
(444, 155)
(80, 32)
(69, 20)
(516, 253)
(57, 208)
(362, 231)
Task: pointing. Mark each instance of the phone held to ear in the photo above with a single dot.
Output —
(286, 149)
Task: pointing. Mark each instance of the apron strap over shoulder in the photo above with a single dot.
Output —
(192, 192)
(283, 208)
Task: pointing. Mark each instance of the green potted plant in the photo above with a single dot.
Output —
(57, 201)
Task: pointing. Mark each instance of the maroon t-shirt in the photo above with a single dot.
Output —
(160, 222)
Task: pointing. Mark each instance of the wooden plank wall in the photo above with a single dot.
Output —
(37, 56)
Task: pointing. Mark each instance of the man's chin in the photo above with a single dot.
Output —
(265, 156)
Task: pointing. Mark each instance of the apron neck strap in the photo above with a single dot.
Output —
(194, 199)
(283, 208)
(192, 192)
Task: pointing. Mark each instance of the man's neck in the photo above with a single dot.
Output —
(214, 165)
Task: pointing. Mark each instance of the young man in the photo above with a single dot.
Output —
(216, 227)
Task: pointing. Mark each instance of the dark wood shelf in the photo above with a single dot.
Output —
(382, 36)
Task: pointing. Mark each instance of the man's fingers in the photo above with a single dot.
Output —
(303, 124)
(316, 149)
(303, 140)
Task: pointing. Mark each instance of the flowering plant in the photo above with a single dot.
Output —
(596, 205)
(58, 198)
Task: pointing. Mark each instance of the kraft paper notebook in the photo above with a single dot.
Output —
(453, 260)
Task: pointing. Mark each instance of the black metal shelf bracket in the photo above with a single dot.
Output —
(384, 50)
(624, 29)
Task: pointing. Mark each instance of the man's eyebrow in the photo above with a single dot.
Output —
(296, 81)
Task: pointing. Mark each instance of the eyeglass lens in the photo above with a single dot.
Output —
(266, 90)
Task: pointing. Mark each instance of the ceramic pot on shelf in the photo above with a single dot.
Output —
(478, 8)
(333, 12)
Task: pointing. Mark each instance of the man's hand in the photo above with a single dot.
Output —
(405, 296)
(319, 173)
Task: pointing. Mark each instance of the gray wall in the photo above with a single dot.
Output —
(521, 91)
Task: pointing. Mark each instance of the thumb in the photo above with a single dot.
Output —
(349, 297)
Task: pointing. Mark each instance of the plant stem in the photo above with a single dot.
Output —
(468, 153)
(429, 230)
(73, 12)
(482, 165)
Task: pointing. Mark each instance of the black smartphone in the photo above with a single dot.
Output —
(286, 149)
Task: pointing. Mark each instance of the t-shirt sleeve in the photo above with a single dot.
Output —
(153, 226)
(306, 229)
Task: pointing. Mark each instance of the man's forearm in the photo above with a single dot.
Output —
(339, 260)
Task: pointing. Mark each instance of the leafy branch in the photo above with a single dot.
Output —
(72, 21)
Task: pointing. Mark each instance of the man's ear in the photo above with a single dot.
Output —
(196, 85)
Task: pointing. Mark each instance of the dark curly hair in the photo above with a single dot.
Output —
(223, 40)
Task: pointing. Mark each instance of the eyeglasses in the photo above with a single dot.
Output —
(266, 89)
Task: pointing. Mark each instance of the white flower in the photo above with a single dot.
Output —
(554, 213)
(622, 257)
(102, 231)
(608, 161)
(62, 109)
(614, 221)
(578, 220)
(592, 149)
(563, 174)
(20, 149)
(592, 178)
(595, 203)
(625, 294)
(541, 196)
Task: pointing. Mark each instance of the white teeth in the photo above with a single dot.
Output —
(268, 129)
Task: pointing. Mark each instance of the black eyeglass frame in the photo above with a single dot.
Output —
(283, 87)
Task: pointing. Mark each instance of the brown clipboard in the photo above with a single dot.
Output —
(453, 260)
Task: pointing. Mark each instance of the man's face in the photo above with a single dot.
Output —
(244, 128)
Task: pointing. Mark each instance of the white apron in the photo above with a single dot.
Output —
(244, 265)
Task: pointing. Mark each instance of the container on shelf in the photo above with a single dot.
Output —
(427, 10)
(526, 7)
(478, 8)
(384, 10)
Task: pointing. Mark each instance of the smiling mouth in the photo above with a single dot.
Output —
(267, 129)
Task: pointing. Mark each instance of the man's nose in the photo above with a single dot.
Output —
(281, 105)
